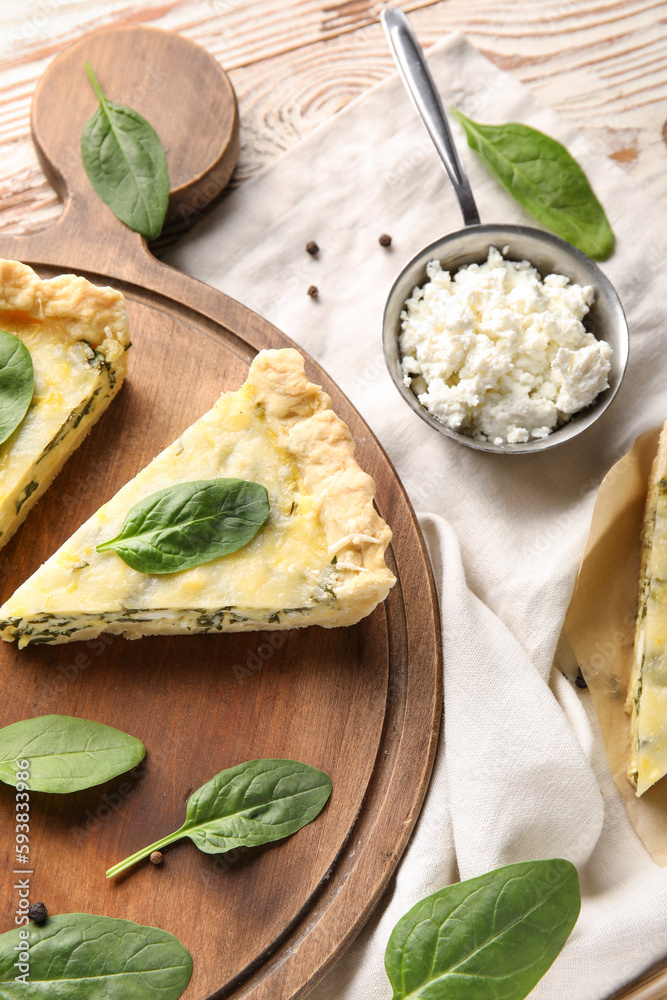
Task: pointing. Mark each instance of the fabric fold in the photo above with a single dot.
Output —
(513, 795)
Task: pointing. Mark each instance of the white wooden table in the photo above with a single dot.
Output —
(601, 63)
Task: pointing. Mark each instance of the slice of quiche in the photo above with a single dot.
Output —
(647, 693)
(317, 560)
(77, 335)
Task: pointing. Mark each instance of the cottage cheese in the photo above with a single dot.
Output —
(500, 354)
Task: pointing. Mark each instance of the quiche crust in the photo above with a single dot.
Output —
(319, 559)
(300, 415)
(78, 335)
(647, 692)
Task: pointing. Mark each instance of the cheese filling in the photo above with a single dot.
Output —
(73, 384)
(286, 566)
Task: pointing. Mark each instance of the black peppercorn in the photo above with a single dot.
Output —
(312, 248)
(38, 912)
(312, 291)
(385, 240)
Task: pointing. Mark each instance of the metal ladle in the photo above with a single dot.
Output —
(546, 252)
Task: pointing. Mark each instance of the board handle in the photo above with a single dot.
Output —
(186, 96)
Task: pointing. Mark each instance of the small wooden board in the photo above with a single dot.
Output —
(361, 703)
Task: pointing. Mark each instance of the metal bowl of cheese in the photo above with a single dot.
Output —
(549, 255)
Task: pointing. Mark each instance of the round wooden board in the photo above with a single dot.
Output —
(362, 703)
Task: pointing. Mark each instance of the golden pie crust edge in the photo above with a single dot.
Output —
(85, 311)
(300, 416)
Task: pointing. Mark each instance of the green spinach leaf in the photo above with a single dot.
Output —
(189, 524)
(488, 938)
(80, 956)
(549, 183)
(66, 754)
(17, 383)
(126, 164)
(247, 805)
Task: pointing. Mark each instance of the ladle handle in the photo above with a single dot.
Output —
(419, 83)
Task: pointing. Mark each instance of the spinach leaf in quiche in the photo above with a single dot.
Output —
(17, 383)
(546, 180)
(189, 524)
(65, 753)
(488, 937)
(247, 805)
(126, 164)
(81, 956)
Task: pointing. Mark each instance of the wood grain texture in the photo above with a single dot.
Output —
(651, 986)
(361, 703)
(602, 63)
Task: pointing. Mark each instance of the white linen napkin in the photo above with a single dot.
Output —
(520, 771)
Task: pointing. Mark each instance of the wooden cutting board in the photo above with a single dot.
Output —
(361, 703)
